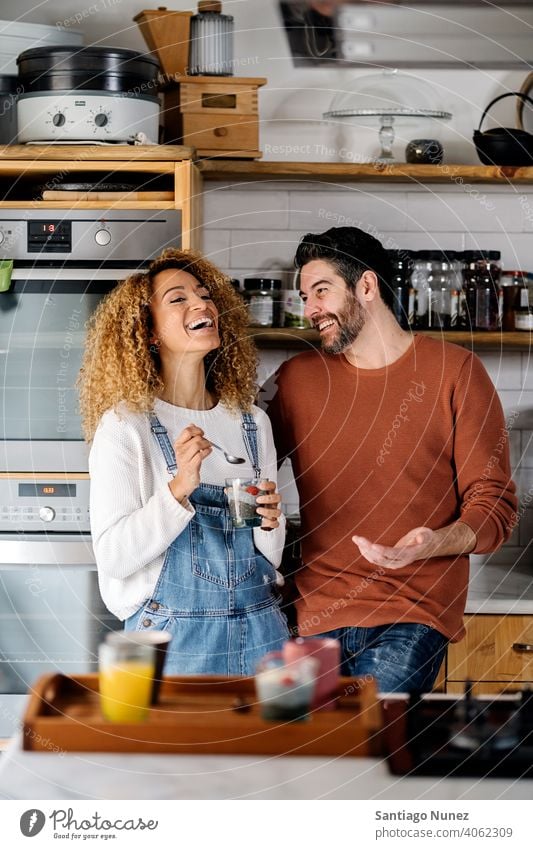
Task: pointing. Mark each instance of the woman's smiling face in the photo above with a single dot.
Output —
(185, 319)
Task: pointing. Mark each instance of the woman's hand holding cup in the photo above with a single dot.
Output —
(268, 505)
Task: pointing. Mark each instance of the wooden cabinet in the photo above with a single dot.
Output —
(496, 654)
(29, 172)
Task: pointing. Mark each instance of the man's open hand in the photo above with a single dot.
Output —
(415, 545)
(419, 544)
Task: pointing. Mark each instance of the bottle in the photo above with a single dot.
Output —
(419, 283)
(262, 294)
(488, 291)
(404, 293)
(514, 296)
(211, 50)
(470, 281)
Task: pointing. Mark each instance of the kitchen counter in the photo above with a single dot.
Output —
(500, 589)
(32, 775)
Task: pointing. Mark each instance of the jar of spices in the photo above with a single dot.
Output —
(523, 318)
(293, 310)
(263, 296)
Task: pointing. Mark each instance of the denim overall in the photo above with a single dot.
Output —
(215, 593)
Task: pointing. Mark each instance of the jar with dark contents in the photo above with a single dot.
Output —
(514, 296)
(404, 293)
(263, 296)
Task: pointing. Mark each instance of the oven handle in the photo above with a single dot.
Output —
(47, 552)
(75, 274)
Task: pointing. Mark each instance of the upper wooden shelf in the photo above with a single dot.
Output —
(238, 169)
(289, 337)
(86, 154)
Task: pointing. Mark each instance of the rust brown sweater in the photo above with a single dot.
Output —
(378, 452)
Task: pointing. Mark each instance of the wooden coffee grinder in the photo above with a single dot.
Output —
(216, 114)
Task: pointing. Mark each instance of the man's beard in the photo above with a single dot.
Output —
(350, 321)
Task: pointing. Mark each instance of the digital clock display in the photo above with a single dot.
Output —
(50, 236)
(50, 490)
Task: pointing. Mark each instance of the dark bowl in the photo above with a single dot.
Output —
(504, 146)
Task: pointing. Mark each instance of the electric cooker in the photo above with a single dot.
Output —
(90, 94)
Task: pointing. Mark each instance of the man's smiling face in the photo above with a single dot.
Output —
(331, 307)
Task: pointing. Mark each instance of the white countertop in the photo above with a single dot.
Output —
(37, 775)
(500, 589)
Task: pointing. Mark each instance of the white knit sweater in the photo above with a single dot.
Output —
(134, 516)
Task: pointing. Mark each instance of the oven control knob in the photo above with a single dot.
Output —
(102, 237)
(101, 119)
(47, 514)
(58, 120)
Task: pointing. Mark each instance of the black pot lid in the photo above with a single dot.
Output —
(8, 83)
(70, 57)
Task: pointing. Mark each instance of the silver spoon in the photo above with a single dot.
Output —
(229, 457)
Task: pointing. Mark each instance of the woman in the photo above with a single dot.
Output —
(168, 366)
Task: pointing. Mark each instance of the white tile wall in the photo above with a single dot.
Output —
(253, 229)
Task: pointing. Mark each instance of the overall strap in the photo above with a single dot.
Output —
(249, 428)
(161, 435)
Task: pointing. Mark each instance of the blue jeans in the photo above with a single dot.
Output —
(405, 657)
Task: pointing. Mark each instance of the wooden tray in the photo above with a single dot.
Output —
(58, 194)
(199, 715)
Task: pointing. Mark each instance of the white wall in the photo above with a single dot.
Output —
(292, 103)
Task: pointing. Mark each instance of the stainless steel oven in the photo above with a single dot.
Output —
(64, 262)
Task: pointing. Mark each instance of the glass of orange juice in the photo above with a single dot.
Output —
(126, 674)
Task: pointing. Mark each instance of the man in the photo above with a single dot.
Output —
(398, 444)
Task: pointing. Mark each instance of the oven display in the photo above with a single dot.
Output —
(49, 236)
(50, 490)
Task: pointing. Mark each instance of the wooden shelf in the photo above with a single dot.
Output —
(88, 204)
(234, 169)
(288, 337)
(85, 155)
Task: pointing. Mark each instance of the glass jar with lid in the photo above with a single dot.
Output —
(488, 291)
(443, 296)
(263, 296)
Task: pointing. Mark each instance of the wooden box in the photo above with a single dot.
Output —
(199, 715)
(219, 116)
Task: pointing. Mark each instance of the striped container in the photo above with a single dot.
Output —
(211, 52)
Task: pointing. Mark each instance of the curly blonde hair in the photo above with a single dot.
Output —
(121, 366)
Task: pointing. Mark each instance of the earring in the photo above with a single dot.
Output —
(154, 345)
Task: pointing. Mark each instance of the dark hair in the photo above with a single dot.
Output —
(351, 252)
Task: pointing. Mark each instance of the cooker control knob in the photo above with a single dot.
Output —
(47, 514)
(102, 237)
(101, 119)
(58, 120)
